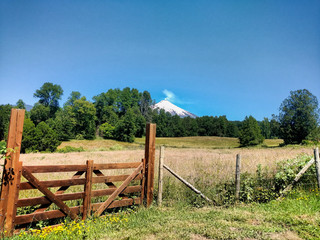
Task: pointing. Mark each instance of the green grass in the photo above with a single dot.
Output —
(196, 142)
(295, 217)
(174, 142)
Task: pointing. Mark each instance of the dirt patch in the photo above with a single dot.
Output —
(197, 237)
(288, 235)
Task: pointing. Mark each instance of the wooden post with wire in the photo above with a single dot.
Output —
(317, 163)
(160, 176)
(238, 172)
(149, 164)
(87, 190)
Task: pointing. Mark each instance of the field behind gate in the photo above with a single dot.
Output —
(217, 165)
(293, 218)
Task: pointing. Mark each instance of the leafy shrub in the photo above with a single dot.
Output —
(287, 170)
(107, 130)
(40, 138)
(68, 149)
(3, 147)
(79, 137)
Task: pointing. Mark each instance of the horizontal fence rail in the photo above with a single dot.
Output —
(86, 176)
(99, 191)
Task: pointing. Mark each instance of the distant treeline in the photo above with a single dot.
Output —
(116, 114)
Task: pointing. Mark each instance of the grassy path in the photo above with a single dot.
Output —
(295, 218)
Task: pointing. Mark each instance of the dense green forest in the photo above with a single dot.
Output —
(122, 115)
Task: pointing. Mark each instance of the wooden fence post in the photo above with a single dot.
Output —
(317, 163)
(150, 157)
(10, 168)
(160, 175)
(237, 183)
(87, 191)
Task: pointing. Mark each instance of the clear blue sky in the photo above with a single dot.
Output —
(233, 58)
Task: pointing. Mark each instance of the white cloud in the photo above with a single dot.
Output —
(169, 95)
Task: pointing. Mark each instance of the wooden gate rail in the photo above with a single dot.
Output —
(13, 170)
(59, 196)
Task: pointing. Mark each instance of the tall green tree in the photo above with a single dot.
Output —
(299, 116)
(49, 95)
(20, 104)
(29, 140)
(144, 104)
(39, 113)
(265, 128)
(5, 111)
(126, 129)
(250, 133)
(73, 97)
(84, 113)
(63, 124)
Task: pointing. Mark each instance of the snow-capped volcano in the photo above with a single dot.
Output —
(173, 109)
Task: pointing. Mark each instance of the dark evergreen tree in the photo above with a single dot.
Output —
(250, 133)
(20, 104)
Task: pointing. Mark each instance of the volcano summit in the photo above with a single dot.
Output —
(172, 109)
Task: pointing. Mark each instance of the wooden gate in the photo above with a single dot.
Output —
(99, 191)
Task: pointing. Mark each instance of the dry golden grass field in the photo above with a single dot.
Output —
(188, 162)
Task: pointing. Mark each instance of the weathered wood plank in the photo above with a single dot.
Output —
(119, 203)
(61, 190)
(106, 179)
(160, 175)
(87, 191)
(35, 217)
(150, 158)
(12, 159)
(100, 174)
(24, 202)
(104, 166)
(103, 192)
(35, 182)
(73, 168)
(55, 168)
(80, 181)
(118, 191)
(12, 199)
(317, 163)
(237, 182)
(143, 180)
(54, 183)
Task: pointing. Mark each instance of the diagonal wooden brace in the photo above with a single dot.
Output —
(109, 184)
(61, 190)
(36, 183)
(100, 174)
(118, 191)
